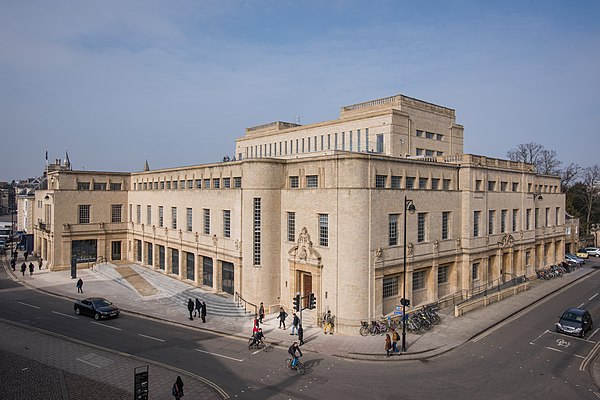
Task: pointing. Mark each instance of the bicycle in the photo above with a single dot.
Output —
(257, 345)
(364, 328)
(378, 328)
(298, 367)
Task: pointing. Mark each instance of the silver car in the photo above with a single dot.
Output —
(593, 251)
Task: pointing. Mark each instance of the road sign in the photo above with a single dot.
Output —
(398, 308)
(398, 312)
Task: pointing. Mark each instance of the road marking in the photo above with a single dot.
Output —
(581, 305)
(560, 351)
(596, 331)
(87, 362)
(593, 296)
(150, 337)
(257, 351)
(563, 343)
(219, 355)
(589, 357)
(107, 326)
(65, 315)
(28, 305)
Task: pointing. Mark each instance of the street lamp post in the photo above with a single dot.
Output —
(409, 206)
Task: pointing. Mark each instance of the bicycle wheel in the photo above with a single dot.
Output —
(426, 324)
(364, 330)
(288, 363)
(300, 368)
(250, 343)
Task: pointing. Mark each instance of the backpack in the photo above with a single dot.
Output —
(174, 391)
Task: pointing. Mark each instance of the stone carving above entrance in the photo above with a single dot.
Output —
(303, 251)
(507, 241)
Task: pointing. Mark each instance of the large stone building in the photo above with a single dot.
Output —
(320, 208)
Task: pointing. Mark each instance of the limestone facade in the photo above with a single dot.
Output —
(327, 220)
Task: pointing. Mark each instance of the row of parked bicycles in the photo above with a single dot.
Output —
(555, 271)
(419, 321)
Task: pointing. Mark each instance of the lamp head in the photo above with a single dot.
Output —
(410, 206)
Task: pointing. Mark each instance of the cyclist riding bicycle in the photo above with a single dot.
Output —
(257, 338)
(292, 351)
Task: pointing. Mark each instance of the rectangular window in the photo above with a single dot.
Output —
(138, 214)
(491, 186)
(410, 182)
(556, 216)
(423, 183)
(206, 221)
(445, 224)
(515, 186)
(419, 133)
(216, 183)
(145, 185)
(418, 280)
(446, 184)
(312, 181)
(380, 143)
(528, 219)
(116, 211)
(294, 182)
(475, 271)
(115, 186)
(130, 213)
(435, 183)
(323, 230)
(396, 180)
(291, 226)
(477, 184)
(190, 184)
(547, 217)
(256, 238)
(358, 140)
(161, 218)
(182, 185)
(476, 218)
(421, 233)
(226, 183)
(83, 186)
(537, 218)
(207, 184)
(528, 258)
(429, 153)
(189, 219)
(162, 187)
(174, 185)
(442, 275)
(198, 183)
(380, 181)
(503, 186)
(515, 218)
(169, 185)
(491, 215)
(149, 215)
(343, 141)
(84, 214)
(429, 135)
(350, 133)
(226, 223)
(390, 286)
(393, 230)
(439, 137)
(503, 215)
(174, 217)
(237, 182)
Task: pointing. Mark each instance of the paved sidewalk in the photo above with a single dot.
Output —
(170, 305)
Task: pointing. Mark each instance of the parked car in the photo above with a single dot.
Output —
(2, 245)
(593, 251)
(573, 259)
(582, 253)
(575, 321)
(96, 307)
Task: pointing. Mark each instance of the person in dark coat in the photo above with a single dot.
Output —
(191, 308)
(261, 312)
(295, 323)
(26, 254)
(80, 286)
(300, 335)
(40, 262)
(23, 268)
(31, 268)
(282, 315)
(198, 309)
(13, 264)
(177, 390)
(203, 311)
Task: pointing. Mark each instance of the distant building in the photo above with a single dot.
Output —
(319, 208)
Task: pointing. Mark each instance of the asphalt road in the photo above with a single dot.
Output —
(520, 358)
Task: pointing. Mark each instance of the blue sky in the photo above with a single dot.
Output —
(176, 82)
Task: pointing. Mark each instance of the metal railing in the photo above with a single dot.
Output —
(246, 304)
(494, 286)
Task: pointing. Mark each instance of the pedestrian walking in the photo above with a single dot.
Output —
(80, 286)
(300, 334)
(282, 316)
(328, 322)
(191, 308)
(23, 268)
(256, 326)
(388, 344)
(26, 254)
(15, 254)
(203, 312)
(177, 390)
(395, 339)
(40, 263)
(198, 308)
(261, 312)
(13, 263)
(31, 268)
(295, 322)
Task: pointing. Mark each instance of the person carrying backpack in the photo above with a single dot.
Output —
(177, 390)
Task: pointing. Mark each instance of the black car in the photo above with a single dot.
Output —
(575, 321)
(96, 307)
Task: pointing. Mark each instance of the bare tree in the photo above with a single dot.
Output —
(591, 182)
(568, 175)
(545, 161)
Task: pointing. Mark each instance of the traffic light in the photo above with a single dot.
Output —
(297, 302)
(312, 302)
(405, 302)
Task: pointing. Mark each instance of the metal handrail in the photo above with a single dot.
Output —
(239, 300)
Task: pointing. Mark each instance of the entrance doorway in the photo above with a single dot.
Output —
(306, 288)
(227, 274)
